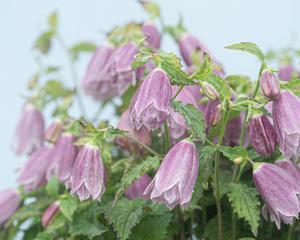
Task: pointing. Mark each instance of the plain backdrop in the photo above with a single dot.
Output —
(269, 23)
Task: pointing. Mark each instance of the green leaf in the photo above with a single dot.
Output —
(206, 163)
(81, 47)
(292, 85)
(249, 47)
(234, 152)
(245, 204)
(220, 85)
(204, 70)
(239, 83)
(58, 222)
(152, 227)
(193, 117)
(140, 59)
(173, 67)
(43, 42)
(55, 89)
(85, 223)
(67, 207)
(124, 215)
(52, 186)
(137, 170)
(151, 8)
(53, 21)
(44, 236)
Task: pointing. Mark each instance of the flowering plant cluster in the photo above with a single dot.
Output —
(196, 154)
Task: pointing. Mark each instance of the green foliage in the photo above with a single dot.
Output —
(151, 8)
(81, 47)
(194, 119)
(204, 70)
(173, 67)
(245, 203)
(43, 42)
(52, 186)
(206, 163)
(220, 85)
(233, 153)
(68, 207)
(124, 215)
(249, 47)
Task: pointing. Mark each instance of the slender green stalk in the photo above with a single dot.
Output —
(181, 224)
(150, 150)
(217, 175)
(177, 93)
(290, 231)
(73, 73)
(167, 137)
(191, 226)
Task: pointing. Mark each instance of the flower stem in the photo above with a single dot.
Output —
(217, 174)
(177, 93)
(167, 137)
(181, 224)
(290, 231)
(150, 150)
(73, 75)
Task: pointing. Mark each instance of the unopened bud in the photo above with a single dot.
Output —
(238, 160)
(269, 85)
(53, 132)
(215, 116)
(210, 91)
(49, 214)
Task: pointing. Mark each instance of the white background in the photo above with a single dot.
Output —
(269, 23)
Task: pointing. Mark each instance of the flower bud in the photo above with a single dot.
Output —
(175, 179)
(87, 179)
(9, 203)
(33, 174)
(210, 91)
(30, 130)
(285, 72)
(238, 160)
(262, 135)
(269, 85)
(280, 192)
(150, 105)
(53, 131)
(143, 135)
(215, 116)
(63, 157)
(152, 34)
(49, 214)
(285, 115)
(137, 188)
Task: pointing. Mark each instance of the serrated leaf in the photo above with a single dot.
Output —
(52, 186)
(151, 8)
(152, 227)
(193, 117)
(206, 163)
(204, 70)
(124, 215)
(234, 152)
(248, 47)
(173, 67)
(140, 59)
(81, 47)
(150, 163)
(239, 83)
(67, 207)
(86, 224)
(58, 221)
(245, 204)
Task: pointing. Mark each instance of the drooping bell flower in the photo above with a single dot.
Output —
(262, 135)
(142, 135)
(285, 115)
(53, 132)
(29, 134)
(120, 68)
(49, 214)
(175, 179)
(150, 105)
(233, 131)
(285, 72)
(189, 45)
(152, 34)
(9, 203)
(63, 156)
(87, 179)
(290, 167)
(33, 174)
(137, 188)
(280, 192)
(176, 121)
(97, 81)
(269, 85)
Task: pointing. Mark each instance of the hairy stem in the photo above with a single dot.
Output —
(217, 174)
(150, 150)
(167, 137)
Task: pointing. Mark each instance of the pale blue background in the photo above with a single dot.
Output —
(218, 23)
